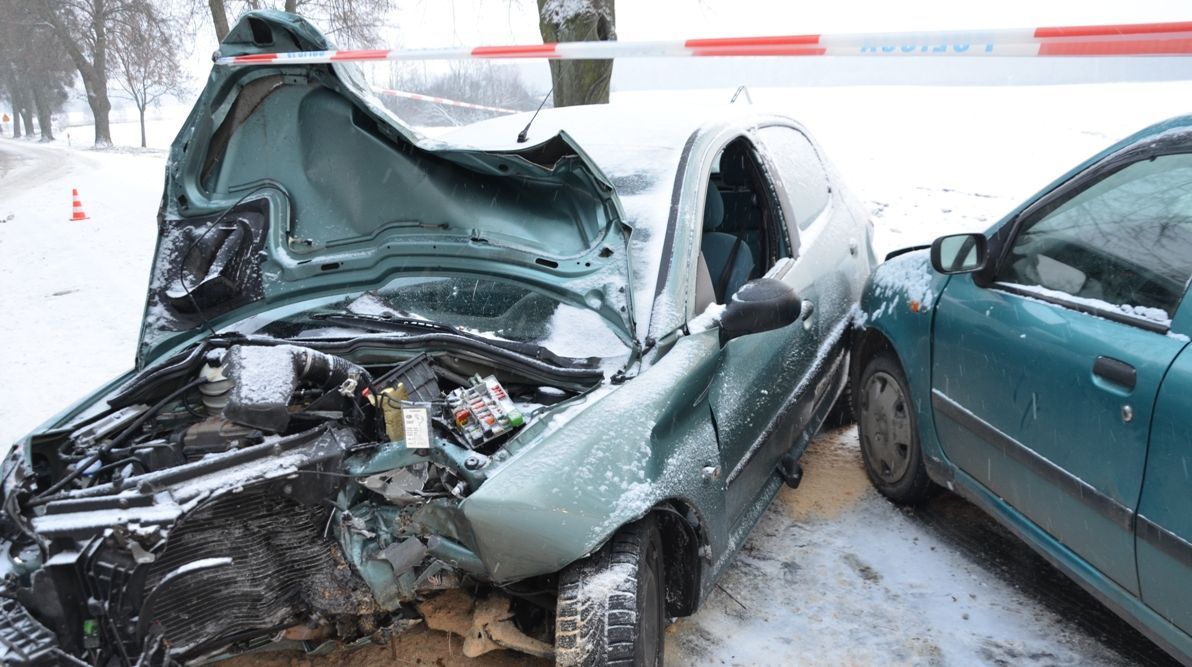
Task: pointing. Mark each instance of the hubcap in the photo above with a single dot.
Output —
(886, 427)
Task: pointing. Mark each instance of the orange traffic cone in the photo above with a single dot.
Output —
(78, 213)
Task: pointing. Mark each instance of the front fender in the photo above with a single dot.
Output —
(899, 304)
(645, 442)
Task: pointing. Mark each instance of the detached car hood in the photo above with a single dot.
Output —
(291, 183)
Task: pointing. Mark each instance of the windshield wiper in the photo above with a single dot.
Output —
(405, 324)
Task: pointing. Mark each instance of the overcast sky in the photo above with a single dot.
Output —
(424, 23)
(428, 23)
(432, 23)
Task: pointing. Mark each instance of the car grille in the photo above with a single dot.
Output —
(242, 563)
(24, 641)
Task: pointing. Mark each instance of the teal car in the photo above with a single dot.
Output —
(533, 392)
(1042, 371)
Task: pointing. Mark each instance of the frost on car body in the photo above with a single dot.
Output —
(379, 373)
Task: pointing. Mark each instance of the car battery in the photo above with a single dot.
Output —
(483, 411)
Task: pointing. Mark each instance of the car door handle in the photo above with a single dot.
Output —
(1116, 371)
(806, 311)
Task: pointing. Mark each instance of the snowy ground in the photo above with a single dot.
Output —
(833, 575)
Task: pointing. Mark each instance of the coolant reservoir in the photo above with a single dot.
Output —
(215, 386)
(389, 403)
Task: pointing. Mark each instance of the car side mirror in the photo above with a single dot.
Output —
(760, 305)
(959, 253)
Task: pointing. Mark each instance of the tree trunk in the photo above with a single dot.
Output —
(27, 118)
(93, 72)
(141, 110)
(18, 92)
(579, 81)
(219, 16)
(44, 114)
(291, 6)
(26, 107)
(101, 107)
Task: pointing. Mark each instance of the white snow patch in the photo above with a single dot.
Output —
(558, 12)
(910, 275)
(872, 585)
(708, 319)
(259, 370)
(579, 332)
(158, 513)
(1157, 315)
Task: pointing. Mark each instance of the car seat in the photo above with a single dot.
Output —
(728, 259)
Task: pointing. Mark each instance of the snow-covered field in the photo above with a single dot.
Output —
(850, 581)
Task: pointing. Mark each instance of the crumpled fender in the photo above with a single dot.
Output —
(899, 301)
(563, 496)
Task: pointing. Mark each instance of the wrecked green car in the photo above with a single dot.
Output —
(553, 382)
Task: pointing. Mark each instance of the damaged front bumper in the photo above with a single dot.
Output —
(220, 521)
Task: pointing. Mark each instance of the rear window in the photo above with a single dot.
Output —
(801, 171)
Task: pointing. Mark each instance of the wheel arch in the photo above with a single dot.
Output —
(871, 341)
(682, 531)
(868, 342)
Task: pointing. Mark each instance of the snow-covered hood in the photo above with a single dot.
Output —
(294, 183)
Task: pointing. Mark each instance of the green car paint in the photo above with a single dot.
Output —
(326, 160)
(337, 204)
(1012, 415)
(1162, 562)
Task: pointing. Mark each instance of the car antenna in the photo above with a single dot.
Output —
(525, 133)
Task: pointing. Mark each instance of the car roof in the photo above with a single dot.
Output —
(621, 124)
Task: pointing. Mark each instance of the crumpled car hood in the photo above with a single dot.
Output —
(289, 183)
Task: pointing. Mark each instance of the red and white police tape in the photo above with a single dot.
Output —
(440, 100)
(1137, 39)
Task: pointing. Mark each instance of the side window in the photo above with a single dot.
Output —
(744, 233)
(801, 171)
(1125, 242)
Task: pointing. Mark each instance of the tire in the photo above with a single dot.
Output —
(611, 604)
(889, 433)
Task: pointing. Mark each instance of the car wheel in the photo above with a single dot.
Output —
(888, 433)
(611, 604)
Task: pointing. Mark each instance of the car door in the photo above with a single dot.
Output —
(759, 373)
(1164, 525)
(1044, 380)
(833, 245)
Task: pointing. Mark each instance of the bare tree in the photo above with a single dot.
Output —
(578, 81)
(18, 97)
(35, 77)
(146, 59)
(346, 22)
(219, 17)
(83, 29)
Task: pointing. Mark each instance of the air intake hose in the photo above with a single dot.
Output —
(265, 378)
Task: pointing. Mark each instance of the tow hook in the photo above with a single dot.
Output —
(791, 470)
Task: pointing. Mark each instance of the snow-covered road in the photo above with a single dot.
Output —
(833, 574)
(71, 292)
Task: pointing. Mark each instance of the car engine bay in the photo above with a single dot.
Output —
(252, 492)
